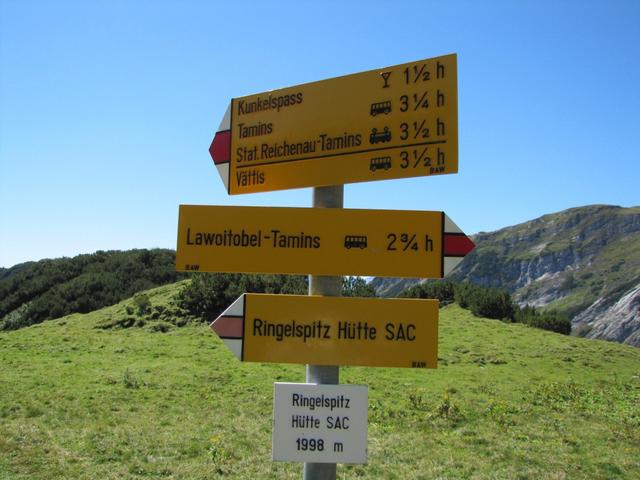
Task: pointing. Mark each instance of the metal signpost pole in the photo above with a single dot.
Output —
(324, 197)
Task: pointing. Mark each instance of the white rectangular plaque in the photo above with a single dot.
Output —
(320, 423)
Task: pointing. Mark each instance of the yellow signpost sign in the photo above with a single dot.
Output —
(331, 330)
(318, 241)
(394, 122)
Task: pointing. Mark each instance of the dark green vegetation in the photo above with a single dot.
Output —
(507, 402)
(492, 303)
(208, 295)
(205, 296)
(36, 291)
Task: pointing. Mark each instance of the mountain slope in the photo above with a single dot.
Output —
(583, 261)
(36, 291)
(78, 400)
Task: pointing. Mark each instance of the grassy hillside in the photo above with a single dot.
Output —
(507, 402)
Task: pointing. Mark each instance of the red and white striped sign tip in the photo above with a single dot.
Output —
(456, 245)
(229, 326)
(220, 149)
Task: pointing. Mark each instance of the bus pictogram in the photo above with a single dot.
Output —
(380, 107)
(355, 241)
(378, 163)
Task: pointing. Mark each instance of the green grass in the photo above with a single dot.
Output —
(507, 402)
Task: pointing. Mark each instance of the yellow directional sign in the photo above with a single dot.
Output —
(393, 122)
(331, 330)
(319, 241)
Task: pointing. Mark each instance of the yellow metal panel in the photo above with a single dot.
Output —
(341, 331)
(394, 122)
(310, 241)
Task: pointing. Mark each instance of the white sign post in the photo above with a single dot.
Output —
(320, 423)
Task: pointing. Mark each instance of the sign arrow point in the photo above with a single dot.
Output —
(220, 149)
(456, 245)
(229, 326)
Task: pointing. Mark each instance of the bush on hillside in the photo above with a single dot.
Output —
(492, 303)
(357, 287)
(208, 295)
(443, 291)
(548, 320)
(485, 302)
(142, 303)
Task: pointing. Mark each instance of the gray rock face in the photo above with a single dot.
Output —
(619, 321)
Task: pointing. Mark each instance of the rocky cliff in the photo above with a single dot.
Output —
(584, 261)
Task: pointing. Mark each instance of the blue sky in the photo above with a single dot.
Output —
(107, 108)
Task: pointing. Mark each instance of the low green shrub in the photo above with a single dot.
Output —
(491, 303)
